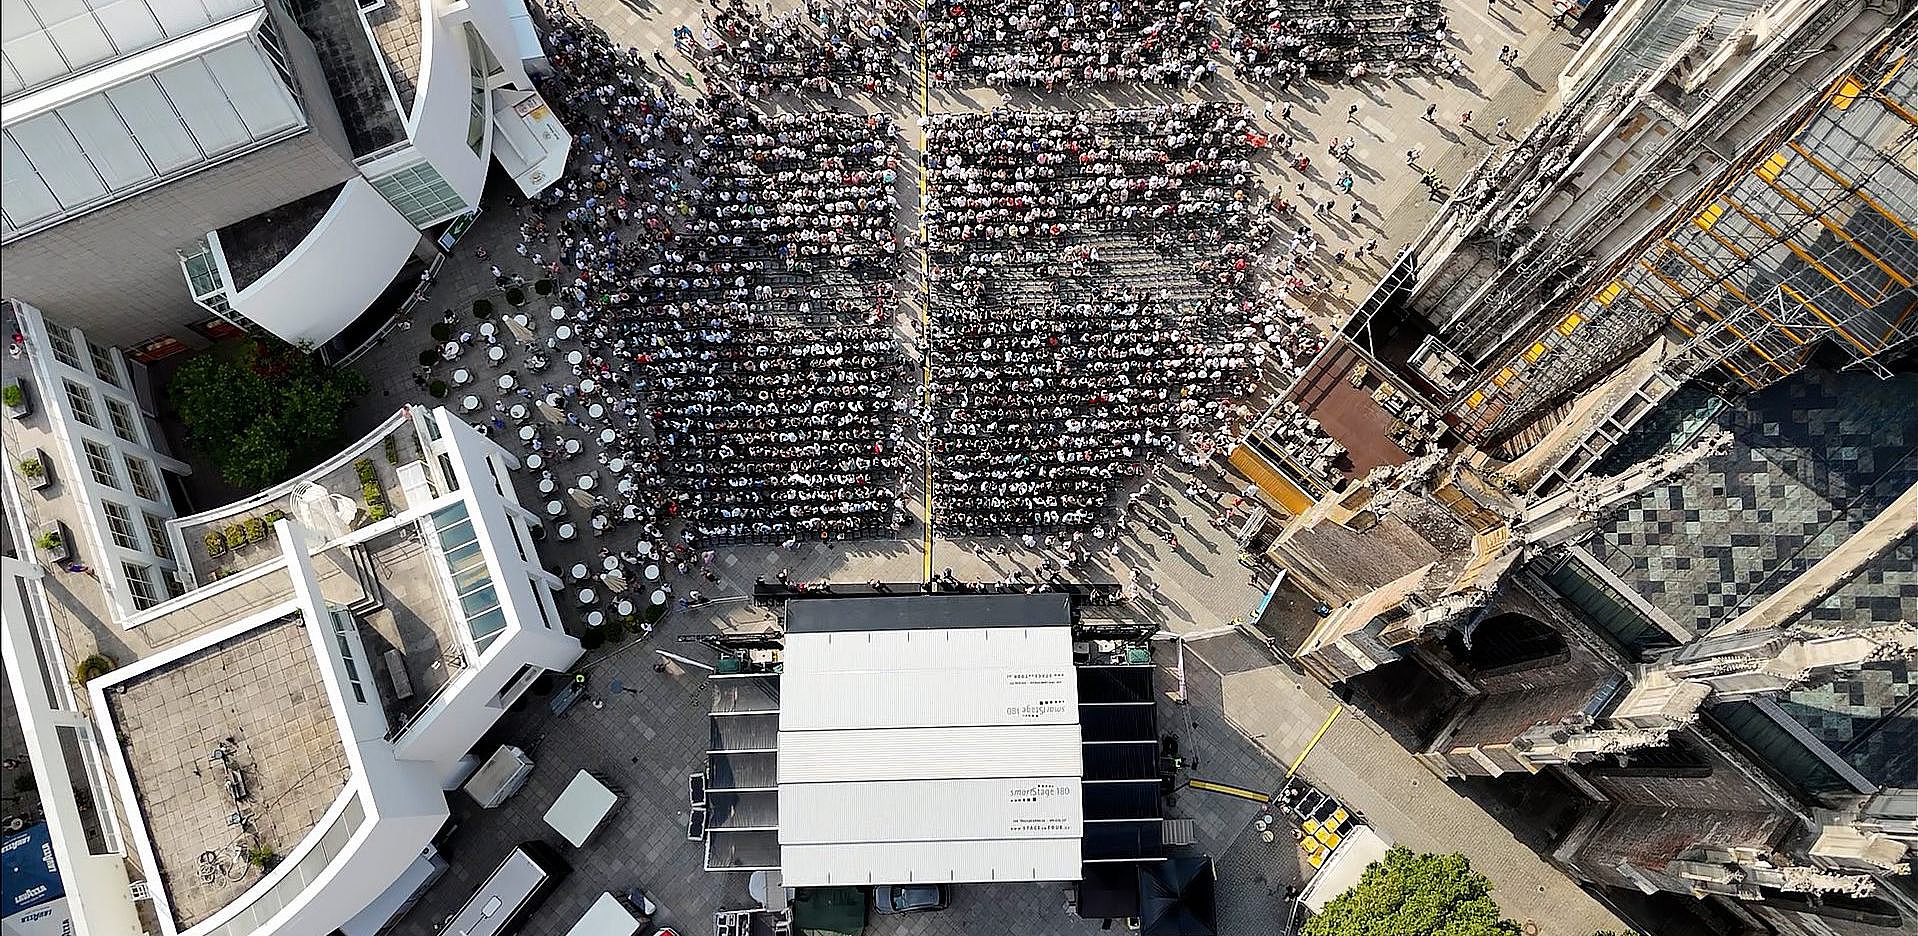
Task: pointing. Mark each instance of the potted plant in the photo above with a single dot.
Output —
(34, 469)
(53, 539)
(441, 331)
(542, 287)
(215, 544)
(93, 667)
(235, 536)
(482, 308)
(430, 357)
(14, 395)
(262, 857)
(274, 516)
(515, 296)
(255, 529)
(436, 389)
(392, 447)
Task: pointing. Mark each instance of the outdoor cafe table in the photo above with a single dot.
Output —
(559, 314)
(470, 403)
(548, 485)
(451, 351)
(487, 330)
(595, 618)
(533, 461)
(652, 573)
(574, 357)
(610, 564)
(526, 434)
(659, 596)
(566, 530)
(579, 571)
(587, 595)
(507, 382)
(462, 377)
(496, 354)
(606, 436)
(563, 333)
(596, 411)
(572, 446)
(624, 608)
(581, 808)
(588, 385)
(518, 411)
(555, 508)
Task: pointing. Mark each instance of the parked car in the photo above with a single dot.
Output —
(909, 898)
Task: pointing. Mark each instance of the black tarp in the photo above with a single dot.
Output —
(1109, 891)
(1176, 898)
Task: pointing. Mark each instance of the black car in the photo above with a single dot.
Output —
(909, 898)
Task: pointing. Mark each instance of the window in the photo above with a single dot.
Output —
(142, 475)
(521, 679)
(476, 54)
(341, 631)
(120, 524)
(140, 585)
(121, 416)
(103, 363)
(63, 348)
(156, 536)
(100, 462)
(81, 399)
(202, 270)
(421, 194)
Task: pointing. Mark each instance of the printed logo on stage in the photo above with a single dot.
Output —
(1040, 709)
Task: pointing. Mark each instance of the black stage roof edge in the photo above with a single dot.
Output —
(816, 615)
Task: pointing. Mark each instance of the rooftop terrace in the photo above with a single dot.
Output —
(259, 697)
(396, 30)
(355, 76)
(254, 245)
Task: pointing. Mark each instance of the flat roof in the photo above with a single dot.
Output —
(937, 740)
(259, 696)
(927, 612)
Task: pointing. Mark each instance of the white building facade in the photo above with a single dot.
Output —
(454, 554)
(327, 143)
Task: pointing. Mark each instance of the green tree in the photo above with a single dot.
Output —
(263, 412)
(1409, 894)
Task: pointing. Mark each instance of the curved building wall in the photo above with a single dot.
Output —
(348, 259)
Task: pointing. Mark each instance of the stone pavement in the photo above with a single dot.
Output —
(1247, 717)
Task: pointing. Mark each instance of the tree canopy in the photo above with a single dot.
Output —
(262, 413)
(1409, 894)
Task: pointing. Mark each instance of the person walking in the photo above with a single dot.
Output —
(1431, 113)
(1352, 113)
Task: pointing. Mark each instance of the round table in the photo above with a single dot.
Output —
(596, 411)
(645, 549)
(518, 411)
(606, 436)
(586, 482)
(601, 524)
(526, 434)
(578, 571)
(572, 446)
(652, 573)
(555, 508)
(658, 597)
(610, 563)
(627, 485)
(616, 465)
(567, 531)
(624, 608)
(563, 333)
(548, 485)
(587, 595)
(488, 330)
(469, 403)
(521, 319)
(496, 354)
(462, 377)
(507, 382)
(533, 461)
(631, 512)
(595, 618)
(588, 385)
(559, 314)
(451, 350)
(574, 357)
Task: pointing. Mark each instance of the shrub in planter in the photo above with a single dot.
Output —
(375, 513)
(93, 667)
(13, 395)
(255, 529)
(235, 536)
(592, 639)
(392, 447)
(274, 516)
(215, 544)
(262, 857)
(441, 331)
(543, 287)
(364, 469)
(436, 389)
(515, 296)
(482, 307)
(429, 357)
(32, 469)
(49, 540)
(654, 613)
(615, 631)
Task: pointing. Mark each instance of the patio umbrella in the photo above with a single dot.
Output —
(551, 412)
(1176, 898)
(519, 331)
(583, 498)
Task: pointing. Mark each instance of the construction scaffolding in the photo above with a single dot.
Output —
(1807, 242)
